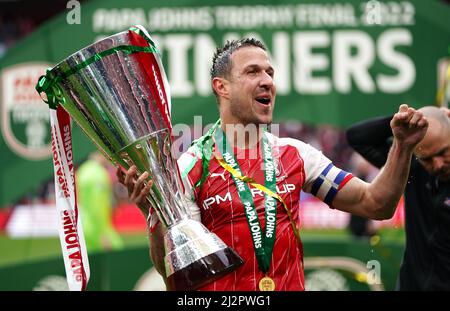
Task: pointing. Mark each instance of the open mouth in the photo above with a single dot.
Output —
(263, 100)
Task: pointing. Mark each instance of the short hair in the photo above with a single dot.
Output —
(221, 63)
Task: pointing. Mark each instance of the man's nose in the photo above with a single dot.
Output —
(266, 80)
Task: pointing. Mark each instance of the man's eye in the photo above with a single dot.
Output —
(443, 152)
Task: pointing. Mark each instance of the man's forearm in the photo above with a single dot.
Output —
(387, 188)
(379, 199)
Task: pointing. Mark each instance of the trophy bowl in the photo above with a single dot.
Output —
(117, 92)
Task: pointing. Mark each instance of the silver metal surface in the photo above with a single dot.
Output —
(114, 103)
(116, 100)
(189, 241)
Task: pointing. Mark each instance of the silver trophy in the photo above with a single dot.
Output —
(116, 90)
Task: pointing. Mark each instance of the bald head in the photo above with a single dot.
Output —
(433, 151)
(437, 114)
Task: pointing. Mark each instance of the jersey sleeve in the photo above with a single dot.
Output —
(322, 178)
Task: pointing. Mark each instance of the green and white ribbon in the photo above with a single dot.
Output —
(262, 242)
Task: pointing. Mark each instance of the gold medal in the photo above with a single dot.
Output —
(266, 284)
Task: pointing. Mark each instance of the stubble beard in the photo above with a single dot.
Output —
(247, 117)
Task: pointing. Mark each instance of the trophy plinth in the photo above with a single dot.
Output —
(204, 271)
(195, 256)
(117, 92)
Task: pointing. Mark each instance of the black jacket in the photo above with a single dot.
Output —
(426, 261)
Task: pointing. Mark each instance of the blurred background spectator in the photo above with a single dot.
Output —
(95, 198)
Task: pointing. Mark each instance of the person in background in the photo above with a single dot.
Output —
(95, 195)
(426, 260)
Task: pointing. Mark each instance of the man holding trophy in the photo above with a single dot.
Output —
(227, 216)
(243, 183)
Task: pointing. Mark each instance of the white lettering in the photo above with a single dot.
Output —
(160, 91)
(400, 62)
(256, 16)
(180, 18)
(347, 64)
(271, 202)
(202, 60)
(281, 61)
(256, 191)
(270, 225)
(216, 199)
(256, 233)
(74, 15)
(111, 20)
(289, 187)
(319, 15)
(207, 202)
(307, 62)
(194, 301)
(320, 62)
(177, 47)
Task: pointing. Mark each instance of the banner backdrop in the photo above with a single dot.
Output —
(336, 62)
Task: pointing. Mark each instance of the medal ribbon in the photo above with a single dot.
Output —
(251, 181)
(263, 245)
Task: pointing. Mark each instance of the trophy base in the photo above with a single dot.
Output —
(204, 271)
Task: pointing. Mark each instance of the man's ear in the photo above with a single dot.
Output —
(221, 87)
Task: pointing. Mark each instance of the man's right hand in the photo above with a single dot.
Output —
(138, 188)
(408, 127)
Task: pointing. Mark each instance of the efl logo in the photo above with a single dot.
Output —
(25, 117)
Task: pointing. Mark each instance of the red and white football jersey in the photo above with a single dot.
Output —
(218, 206)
